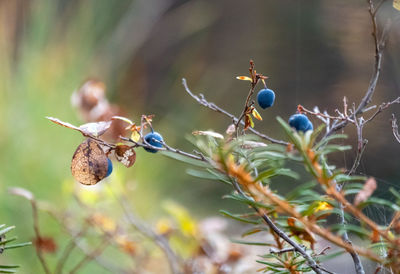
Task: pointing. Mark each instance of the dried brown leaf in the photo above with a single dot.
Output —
(95, 129)
(90, 129)
(89, 164)
(45, 244)
(125, 154)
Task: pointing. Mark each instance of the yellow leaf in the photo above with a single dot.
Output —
(396, 4)
(187, 225)
(244, 78)
(135, 136)
(87, 196)
(322, 206)
(251, 121)
(256, 114)
(164, 226)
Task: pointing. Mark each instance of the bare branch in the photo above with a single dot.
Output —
(68, 249)
(382, 107)
(88, 257)
(166, 147)
(202, 101)
(379, 43)
(149, 233)
(99, 260)
(251, 91)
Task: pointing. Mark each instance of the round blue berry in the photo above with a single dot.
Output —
(309, 126)
(300, 122)
(109, 167)
(154, 139)
(265, 98)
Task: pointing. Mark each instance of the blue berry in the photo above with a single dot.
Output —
(266, 98)
(309, 126)
(154, 139)
(109, 167)
(300, 122)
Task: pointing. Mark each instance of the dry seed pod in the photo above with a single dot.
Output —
(89, 164)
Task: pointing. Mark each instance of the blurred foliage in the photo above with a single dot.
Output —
(314, 52)
(5, 245)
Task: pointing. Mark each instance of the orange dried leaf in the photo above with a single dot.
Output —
(126, 245)
(244, 78)
(45, 244)
(375, 237)
(291, 221)
(369, 188)
(248, 122)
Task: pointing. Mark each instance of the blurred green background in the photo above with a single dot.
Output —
(315, 52)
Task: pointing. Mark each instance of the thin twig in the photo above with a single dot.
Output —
(202, 101)
(354, 255)
(99, 260)
(395, 128)
(382, 107)
(68, 249)
(88, 257)
(251, 91)
(38, 236)
(165, 148)
(345, 236)
(149, 233)
(379, 43)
